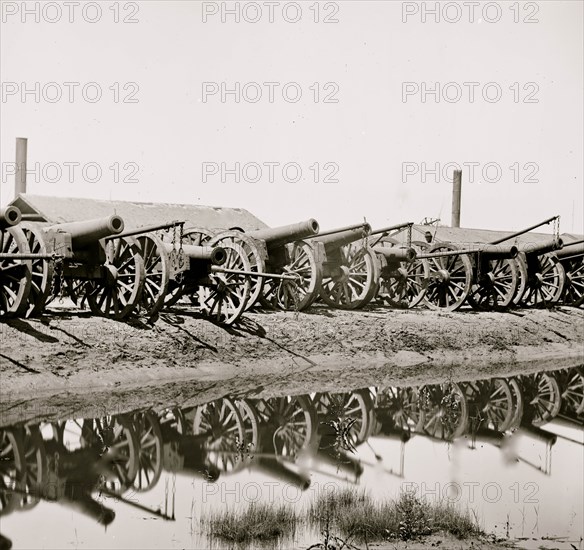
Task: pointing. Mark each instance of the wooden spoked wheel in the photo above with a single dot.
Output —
(254, 257)
(251, 423)
(445, 411)
(149, 450)
(518, 401)
(574, 288)
(495, 285)
(402, 405)
(41, 272)
(221, 423)
(543, 399)
(522, 276)
(301, 292)
(291, 425)
(156, 273)
(403, 285)
(354, 281)
(545, 281)
(12, 470)
(224, 300)
(491, 403)
(450, 279)
(15, 274)
(349, 414)
(119, 292)
(35, 466)
(571, 383)
(114, 439)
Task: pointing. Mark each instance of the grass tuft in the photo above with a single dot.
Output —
(259, 522)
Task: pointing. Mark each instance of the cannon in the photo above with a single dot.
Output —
(403, 278)
(571, 258)
(175, 267)
(15, 264)
(285, 271)
(541, 276)
(447, 275)
(350, 270)
(107, 274)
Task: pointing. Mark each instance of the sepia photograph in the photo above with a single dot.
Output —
(292, 275)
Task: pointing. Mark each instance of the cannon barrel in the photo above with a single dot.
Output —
(9, 216)
(395, 254)
(213, 254)
(278, 236)
(343, 236)
(391, 228)
(90, 231)
(542, 247)
(498, 251)
(574, 249)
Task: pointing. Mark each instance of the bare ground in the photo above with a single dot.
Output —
(71, 363)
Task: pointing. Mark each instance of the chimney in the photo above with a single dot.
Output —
(456, 191)
(20, 176)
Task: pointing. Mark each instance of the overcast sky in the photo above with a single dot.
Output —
(352, 129)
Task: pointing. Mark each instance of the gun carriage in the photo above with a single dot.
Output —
(541, 275)
(349, 266)
(284, 269)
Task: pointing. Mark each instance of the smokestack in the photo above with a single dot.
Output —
(20, 176)
(456, 191)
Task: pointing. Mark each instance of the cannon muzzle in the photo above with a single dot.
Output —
(498, 251)
(215, 255)
(395, 255)
(341, 237)
(90, 231)
(279, 236)
(541, 248)
(575, 249)
(9, 216)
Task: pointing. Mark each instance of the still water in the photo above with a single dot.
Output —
(509, 450)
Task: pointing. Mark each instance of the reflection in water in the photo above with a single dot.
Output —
(75, 463)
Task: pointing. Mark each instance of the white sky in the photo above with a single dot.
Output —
(369, 133)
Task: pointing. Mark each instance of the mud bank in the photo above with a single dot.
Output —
(70, 363)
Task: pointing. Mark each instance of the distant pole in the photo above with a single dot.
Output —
(20, 176)
(456, 192)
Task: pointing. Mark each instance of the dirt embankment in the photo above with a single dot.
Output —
(71, 362)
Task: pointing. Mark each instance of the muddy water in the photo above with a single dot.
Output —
(508, 450)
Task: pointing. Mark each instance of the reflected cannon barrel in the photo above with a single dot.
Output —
(88, 232)
(9, 216)
(538, 249)
(277, 469)
(277, 236)
(396, 255)
(538, 434)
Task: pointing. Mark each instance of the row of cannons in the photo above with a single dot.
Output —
(223, 273)
(77, 463)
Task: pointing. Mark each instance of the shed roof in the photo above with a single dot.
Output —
(135, 214)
